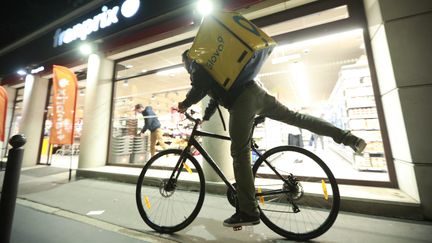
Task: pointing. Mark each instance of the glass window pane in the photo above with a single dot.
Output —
(308, 21)
(161, 91)
(328, 77)
(142, 64)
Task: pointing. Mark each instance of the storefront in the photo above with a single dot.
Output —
(319, 67)
(323, 73)
(323, 65)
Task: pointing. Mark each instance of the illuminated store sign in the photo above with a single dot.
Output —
(104, 19)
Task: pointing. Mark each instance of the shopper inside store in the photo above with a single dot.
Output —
(152, 123)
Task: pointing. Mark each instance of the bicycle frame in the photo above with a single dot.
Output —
(193, 142)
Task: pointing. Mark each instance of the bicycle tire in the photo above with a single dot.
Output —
(317, 205)
(163, 207)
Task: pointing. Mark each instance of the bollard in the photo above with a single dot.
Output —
(10, 186)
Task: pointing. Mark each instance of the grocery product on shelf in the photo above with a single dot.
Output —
(354, 101)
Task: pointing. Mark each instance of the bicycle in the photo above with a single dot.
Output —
(171, 187)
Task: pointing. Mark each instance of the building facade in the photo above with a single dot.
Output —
(362, 65)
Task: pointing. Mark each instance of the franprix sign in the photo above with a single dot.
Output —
(102, 20)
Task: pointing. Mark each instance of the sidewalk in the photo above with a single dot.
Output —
(110, 206)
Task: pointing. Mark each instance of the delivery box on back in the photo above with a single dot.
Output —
(230, 47)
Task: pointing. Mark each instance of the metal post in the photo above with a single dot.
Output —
(10, 186)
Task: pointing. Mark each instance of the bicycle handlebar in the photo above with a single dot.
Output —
(190, 118)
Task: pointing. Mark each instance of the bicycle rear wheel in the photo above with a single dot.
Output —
(298, 195)
(170, 193)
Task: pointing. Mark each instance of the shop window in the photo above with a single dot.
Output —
(326, 75)
(163, 83)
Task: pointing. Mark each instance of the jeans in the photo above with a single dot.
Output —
(254, 100)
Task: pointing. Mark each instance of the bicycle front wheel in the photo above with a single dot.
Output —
(297, 193)
(170, 191)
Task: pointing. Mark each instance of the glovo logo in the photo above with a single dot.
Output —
(246, 24)
(217, 53)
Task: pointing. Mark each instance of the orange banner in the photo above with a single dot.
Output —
(65, 86)
(3, 112)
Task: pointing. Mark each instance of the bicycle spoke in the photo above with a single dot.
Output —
(297, 199)
(166, 200)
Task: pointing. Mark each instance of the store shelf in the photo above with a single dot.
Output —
(126, 146)
(353, 97)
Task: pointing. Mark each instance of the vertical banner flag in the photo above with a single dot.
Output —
(65, 87)
(3, 112)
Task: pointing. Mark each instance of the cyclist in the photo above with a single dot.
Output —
(245, 100)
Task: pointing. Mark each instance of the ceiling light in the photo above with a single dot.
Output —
(85, 49)
(129, 66)
(301, 81)
(170, 72)
(321, 40)
(282, 59)
(21, 72)
(125, 82)
(204, 7)
(37, 70)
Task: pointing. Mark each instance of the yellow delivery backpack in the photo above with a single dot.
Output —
(228, 45)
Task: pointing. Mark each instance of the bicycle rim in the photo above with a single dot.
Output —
(305, 203)
(165, 206)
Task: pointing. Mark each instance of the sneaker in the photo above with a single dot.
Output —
(357, 144)
(241, 219)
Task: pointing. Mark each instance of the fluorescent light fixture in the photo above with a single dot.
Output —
(204, 7)
(282, 59)
(37, 70)
(85, 49)
(320, 40)
(129, 66)
(21, 72)
(170, 72)
(144, 70)
(301, 81)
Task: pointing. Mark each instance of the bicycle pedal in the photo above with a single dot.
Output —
(237, 228)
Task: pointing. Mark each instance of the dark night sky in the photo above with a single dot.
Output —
(21, 17)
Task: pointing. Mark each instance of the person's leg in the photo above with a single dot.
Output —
(316, 141)
(240, 125)
(273, 109)
(159, 138)
(321, 138)
(153, 139)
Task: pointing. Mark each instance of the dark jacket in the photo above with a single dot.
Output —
(151, 122)
(203, 84)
